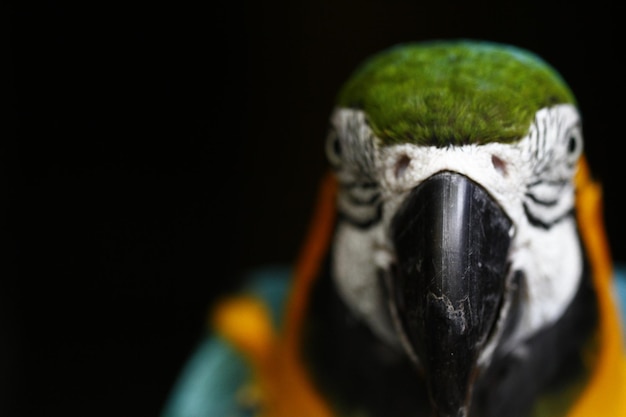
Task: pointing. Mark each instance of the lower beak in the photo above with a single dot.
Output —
(452, 241)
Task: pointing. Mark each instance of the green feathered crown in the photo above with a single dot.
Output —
(453, 92)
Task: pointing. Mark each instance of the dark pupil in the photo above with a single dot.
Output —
(571, 145)
(336, 146)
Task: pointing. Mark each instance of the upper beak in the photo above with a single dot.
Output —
(452, 241)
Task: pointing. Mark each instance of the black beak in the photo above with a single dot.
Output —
(452, 241)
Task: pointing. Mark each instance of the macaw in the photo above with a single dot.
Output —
(456, 263)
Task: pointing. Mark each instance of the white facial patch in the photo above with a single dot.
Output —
(532, 180)
(357, 262)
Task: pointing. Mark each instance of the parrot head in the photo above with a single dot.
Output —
(456, 243)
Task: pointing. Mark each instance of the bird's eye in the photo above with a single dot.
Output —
(333, 148)
(574, 145)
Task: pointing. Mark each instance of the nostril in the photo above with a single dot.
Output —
(402, 164)
(499, 165)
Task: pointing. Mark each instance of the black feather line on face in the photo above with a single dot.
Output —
(545, 203)
(358, 184)
(364, 202)
(535, 221)
(363, 223)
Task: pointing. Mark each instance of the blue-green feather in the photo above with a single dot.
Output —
(212, 379)
(620, 288)
(209, 382)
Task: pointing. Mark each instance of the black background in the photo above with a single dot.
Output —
(155, 151)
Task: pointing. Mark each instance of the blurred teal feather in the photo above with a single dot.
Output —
(620, 286)
(211, 382)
